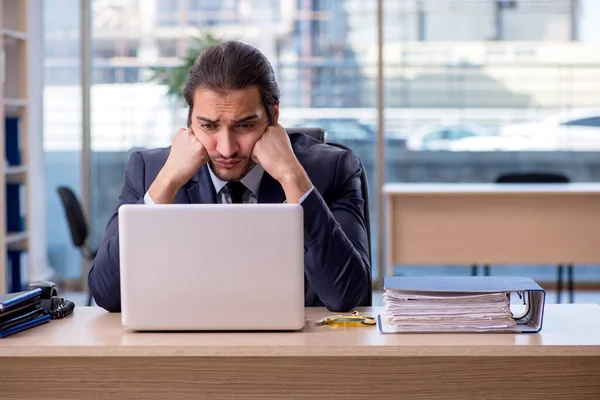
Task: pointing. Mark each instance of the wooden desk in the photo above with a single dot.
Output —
(492, 224)
(89, 355)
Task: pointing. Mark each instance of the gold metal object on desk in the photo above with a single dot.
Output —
(354, 320)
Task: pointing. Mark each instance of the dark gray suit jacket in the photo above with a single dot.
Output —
(336, 262)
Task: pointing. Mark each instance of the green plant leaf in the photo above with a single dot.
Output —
(174, 77)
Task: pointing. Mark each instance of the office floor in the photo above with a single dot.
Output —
(80, 298)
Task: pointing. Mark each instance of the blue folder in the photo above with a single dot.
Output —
(25, 325)
(15, 301)
(531, 294)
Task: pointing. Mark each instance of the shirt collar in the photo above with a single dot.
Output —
(251, 180)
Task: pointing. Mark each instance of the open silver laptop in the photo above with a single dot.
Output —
(212, 267)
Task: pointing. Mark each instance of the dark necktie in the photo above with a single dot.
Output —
(236, 191)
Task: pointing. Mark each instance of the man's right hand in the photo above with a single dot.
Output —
(186, 157)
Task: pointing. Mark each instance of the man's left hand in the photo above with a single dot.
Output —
(273, 151)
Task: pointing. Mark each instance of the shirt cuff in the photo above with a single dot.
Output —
(306, 195)
(148, 199)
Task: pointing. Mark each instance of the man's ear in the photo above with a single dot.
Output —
(276, 113)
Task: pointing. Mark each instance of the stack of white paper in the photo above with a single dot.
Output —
(448, 312)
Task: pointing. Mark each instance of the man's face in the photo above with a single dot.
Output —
(228, 124)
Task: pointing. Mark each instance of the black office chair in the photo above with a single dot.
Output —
(77, 225)
(544, 177)
(321, 135)
(532, 177)
(315, 133)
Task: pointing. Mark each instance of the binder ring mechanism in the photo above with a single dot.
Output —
(526, 316)
(354, 320)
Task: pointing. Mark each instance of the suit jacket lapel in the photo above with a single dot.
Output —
(270, 190)
(200, 188)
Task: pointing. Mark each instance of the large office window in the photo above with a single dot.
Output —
(322, 53)
(472, 89)
(478, 89)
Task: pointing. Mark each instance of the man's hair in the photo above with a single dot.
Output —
(230, 66)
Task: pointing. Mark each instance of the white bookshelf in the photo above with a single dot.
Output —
(14, 103)
(13, 238)
(14, 34)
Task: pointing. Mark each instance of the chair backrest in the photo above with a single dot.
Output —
(75, 217)
(532, 177)
(321, 135)
(315, 133)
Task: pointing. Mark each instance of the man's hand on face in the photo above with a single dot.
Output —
(187, 155)
(273, 151)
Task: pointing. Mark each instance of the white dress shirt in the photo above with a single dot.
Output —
(251, 180)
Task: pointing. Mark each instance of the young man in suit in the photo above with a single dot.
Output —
(235, 151)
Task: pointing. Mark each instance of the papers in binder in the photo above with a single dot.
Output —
(448, 312)
(461, 304)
